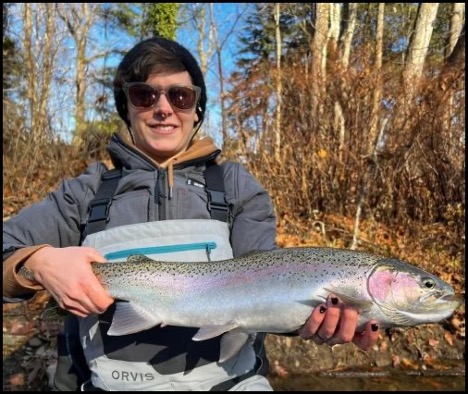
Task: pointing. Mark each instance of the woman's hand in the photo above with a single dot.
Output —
(67, 275)
(335, 323)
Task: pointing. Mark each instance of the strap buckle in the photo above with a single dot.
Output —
(217, 201)
(99, 210)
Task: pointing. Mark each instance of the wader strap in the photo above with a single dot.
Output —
(217, 204)
(99, 207)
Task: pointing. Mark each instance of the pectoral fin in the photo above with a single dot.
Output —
(130, 318)
(348, 300)
(208, 332)
(231, 344)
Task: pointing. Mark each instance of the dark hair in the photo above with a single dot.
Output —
(152, 56)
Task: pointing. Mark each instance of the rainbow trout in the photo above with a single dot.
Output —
(273, 291)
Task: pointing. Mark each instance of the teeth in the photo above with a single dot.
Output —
(165, 128)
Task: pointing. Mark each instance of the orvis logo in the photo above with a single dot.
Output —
(126, 376)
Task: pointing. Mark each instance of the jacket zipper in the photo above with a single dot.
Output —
(208, 246)
(159, 189)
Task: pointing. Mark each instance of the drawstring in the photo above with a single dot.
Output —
(170, 176)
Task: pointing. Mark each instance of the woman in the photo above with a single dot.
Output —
(161, 96)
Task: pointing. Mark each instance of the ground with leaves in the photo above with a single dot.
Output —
(29, 343)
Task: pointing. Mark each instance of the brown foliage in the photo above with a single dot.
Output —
(32, 168)
(414, 176)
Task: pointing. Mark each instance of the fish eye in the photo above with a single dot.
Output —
(429, 283)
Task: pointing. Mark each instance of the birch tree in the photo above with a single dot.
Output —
(279, 86)
(418, 46)
(456, 24)
(319, 54)
(349, 22)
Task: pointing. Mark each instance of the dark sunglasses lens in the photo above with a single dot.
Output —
(182, 97)
(141, 96)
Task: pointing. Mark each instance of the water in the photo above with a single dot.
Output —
(382, 380)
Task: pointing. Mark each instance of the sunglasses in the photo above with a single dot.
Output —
(144, 96)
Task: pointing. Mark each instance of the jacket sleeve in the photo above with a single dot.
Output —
(253, 224)
(54, 221)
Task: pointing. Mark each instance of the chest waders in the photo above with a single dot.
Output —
(72, 366)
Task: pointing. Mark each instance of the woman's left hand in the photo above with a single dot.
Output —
(335, 323)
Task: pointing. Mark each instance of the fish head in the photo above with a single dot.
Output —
(408, 295)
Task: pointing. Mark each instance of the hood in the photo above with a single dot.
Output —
(124, 154)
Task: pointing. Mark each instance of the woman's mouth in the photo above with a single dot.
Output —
(163, 128)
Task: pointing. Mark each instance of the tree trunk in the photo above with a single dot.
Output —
(374, 121)
(220, 77)
(319, 56)
(349, 21)
(279, 86)
(456, 24)
(419, 44)
(334, 30)
(374, 137)
(40, 59)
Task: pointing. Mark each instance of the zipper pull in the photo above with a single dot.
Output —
(158, 194)
(208, 252)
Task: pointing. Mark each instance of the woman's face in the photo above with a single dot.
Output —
(162, 130)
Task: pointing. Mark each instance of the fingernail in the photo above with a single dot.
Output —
(374, 327)
(322, 309)
(334, 300)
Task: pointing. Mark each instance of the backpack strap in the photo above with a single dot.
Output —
(99, 206)
(217, 204)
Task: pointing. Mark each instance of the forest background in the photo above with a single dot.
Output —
(351, 115)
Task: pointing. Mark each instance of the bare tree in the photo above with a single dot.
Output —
(199, 21)
(373, 139)
(418, 46)
(40, 54)
(319, 54)
(378, 75)
(79, 19)
(335, 27)
(219, 45)
(456, 23)
(279, 86)
(349, 22)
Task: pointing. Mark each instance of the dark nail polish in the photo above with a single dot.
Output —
(322, 309)
(374, 327)
(334, 300)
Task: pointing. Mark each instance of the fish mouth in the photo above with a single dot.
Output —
(458, 298)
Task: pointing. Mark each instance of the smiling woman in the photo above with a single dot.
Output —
(162, 102)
